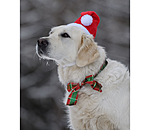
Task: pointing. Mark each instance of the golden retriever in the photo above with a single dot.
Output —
(77, 56)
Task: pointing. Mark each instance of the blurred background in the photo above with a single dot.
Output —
(41, 91)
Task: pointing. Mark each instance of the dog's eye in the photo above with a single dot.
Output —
(65, 35)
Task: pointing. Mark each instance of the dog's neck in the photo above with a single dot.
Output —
(69, 64)
(73, 73)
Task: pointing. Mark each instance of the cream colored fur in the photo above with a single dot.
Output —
(108, 110)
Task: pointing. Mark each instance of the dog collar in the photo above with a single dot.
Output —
(74, 88)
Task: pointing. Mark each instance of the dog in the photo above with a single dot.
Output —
(77, 56)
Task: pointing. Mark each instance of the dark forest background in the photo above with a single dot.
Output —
(41, 92)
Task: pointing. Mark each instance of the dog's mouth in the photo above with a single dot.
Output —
(41, 53)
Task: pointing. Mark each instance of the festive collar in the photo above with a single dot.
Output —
(74, 88)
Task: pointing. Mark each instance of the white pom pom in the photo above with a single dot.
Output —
(86, 20)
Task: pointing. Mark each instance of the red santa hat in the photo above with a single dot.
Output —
(88, 21)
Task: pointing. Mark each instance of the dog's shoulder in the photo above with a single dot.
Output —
(114, 74)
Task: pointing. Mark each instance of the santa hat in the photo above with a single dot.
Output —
(88, 21)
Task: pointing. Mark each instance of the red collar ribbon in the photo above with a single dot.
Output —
(75, 87)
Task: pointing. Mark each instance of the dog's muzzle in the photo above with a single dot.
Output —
(42, 45)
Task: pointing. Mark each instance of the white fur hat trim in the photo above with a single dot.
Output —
(79, 26)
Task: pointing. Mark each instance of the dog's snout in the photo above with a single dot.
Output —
(42, 43)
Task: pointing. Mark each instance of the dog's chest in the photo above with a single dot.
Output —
(90, 112)
(86, 107)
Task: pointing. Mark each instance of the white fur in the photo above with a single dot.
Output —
(108, 110)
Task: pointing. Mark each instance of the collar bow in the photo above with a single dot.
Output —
(74, 88)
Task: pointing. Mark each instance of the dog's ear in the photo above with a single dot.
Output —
(87, 52)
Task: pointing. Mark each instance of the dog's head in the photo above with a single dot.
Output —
(68, 44)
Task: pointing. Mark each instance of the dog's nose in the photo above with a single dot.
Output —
(42, 43)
